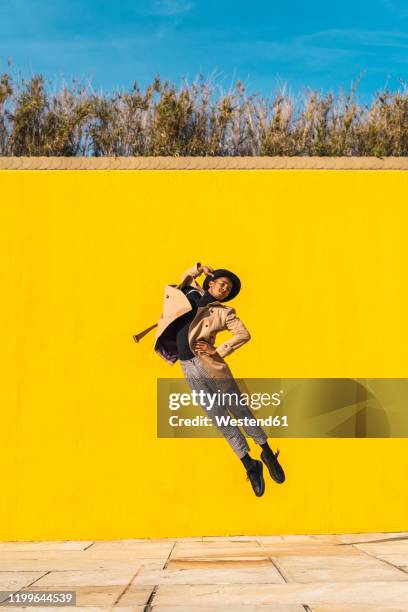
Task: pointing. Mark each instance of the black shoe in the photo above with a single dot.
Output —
(256, 478)
(275, 469)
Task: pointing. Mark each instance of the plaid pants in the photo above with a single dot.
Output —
(198, 379)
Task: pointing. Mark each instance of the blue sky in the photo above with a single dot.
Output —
(265, 44)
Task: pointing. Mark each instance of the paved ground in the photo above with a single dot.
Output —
(316, 573)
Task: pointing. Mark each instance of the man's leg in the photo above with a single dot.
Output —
(198, 380)
(241, 411)
(256, 432)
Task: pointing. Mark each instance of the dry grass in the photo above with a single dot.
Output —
(194, 120)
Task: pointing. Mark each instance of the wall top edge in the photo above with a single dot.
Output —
(203, 163)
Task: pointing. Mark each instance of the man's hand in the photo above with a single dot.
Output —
(208, 271)
(201, 346)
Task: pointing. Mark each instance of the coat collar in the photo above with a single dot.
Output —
(202, 291)
(214, 303)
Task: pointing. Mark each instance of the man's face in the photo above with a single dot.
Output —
(220, 287)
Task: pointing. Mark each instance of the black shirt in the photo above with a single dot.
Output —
(182, 324)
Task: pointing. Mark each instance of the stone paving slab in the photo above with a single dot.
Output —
(372, 537)
(50, 545)
(215, 575)
(102, 596)
(152, 548)
(181, 547)
(221, 563)
(328, 538)
(359, 608)
(75, 564)
(73, 556)
(17, 580)
(373, 593)
(385, 548)
(86, 578)
(228, 608)
(183, 551)
(287, 549)
(77, 608)
(396, 560)
(354, 568)
(278, 573)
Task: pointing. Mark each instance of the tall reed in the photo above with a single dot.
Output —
(37, 118)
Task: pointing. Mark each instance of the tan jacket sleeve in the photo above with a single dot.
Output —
(240, 334)
(188, 277)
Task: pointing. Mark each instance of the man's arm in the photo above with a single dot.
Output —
(240, 334)
(189, 276)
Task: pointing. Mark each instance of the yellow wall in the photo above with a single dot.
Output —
(85, 256)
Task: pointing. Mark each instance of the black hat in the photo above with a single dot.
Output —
(236, 283)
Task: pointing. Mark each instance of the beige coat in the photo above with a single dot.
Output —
(208, 321)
